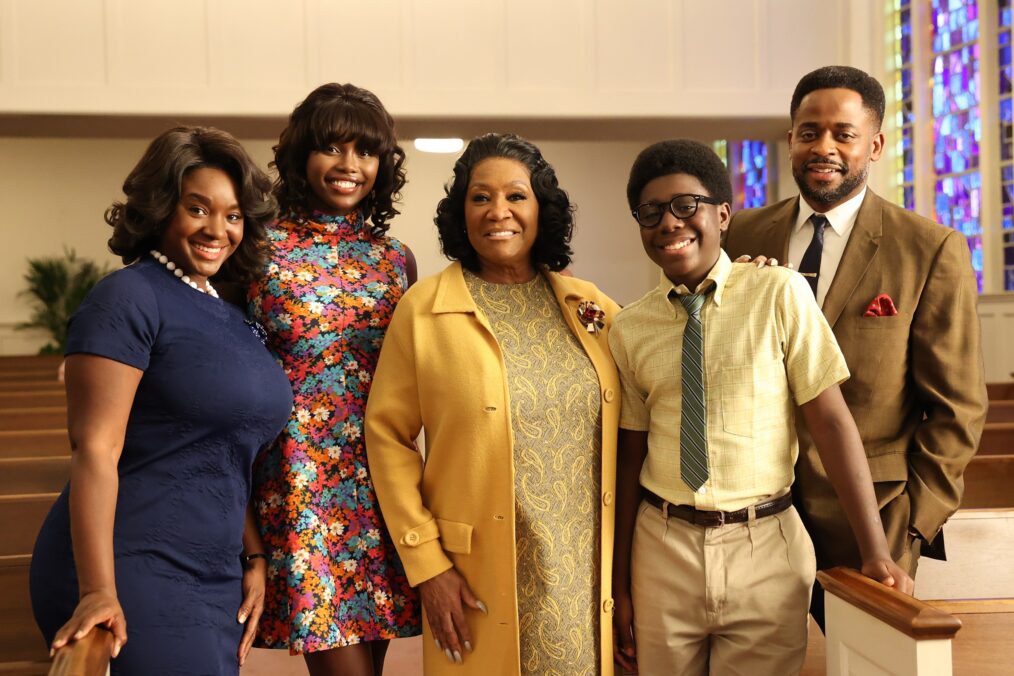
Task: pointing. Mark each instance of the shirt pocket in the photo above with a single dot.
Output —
(736, 400)
(753, 397)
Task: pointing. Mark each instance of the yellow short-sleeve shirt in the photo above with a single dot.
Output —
(767, 348)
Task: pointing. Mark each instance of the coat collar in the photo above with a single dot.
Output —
(452, 296)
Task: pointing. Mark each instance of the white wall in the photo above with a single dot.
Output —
(506, 58)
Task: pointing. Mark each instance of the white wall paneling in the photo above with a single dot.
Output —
(425, 58)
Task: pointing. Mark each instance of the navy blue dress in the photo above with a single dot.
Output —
(210, 398)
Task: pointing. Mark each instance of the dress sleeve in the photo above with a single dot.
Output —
(118, 320)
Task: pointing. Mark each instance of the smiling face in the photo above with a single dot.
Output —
(831, 144)
(685, 250)
(502, 219)
(340, 177)
(207, 225)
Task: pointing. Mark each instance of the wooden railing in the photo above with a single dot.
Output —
(88, 656)
(872, 629)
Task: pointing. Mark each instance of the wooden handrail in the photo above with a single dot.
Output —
(906, 614)
(87, 656)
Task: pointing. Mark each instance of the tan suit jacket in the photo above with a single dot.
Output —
(917, 389)
(441, 369)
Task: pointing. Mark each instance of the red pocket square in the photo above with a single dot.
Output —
(881, 306)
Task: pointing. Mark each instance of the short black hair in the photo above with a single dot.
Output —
(841, 77)
(340, 113)
(679, 156)
(153, 190)
(556, 213)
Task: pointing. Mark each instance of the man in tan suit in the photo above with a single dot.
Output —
(900, 294)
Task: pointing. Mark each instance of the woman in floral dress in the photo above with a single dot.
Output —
(337, 591)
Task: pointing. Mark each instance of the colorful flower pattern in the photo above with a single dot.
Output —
(334, 577)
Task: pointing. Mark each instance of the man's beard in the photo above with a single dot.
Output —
(830, 195)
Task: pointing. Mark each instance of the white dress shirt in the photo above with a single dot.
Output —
(841, 219)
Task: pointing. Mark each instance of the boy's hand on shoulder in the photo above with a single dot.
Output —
(761, 261)
(888, 573)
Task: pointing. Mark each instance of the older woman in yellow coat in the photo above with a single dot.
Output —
(505, 521)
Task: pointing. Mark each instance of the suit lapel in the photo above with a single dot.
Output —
(855, 261)
(779, 229)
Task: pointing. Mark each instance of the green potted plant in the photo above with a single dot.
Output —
(56, 286)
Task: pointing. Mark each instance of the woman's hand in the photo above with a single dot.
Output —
(888, 573)
(624, 650)
(95, 608)
(255, 579)
(444, 598)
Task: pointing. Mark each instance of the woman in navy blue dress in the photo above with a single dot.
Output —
(170, 395)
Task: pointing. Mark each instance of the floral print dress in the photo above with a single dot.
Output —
(334, 577)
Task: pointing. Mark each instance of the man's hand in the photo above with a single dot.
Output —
(760, 261)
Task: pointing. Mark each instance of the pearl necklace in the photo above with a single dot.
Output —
(164, 260)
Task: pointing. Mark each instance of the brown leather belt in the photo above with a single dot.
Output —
(715, 519)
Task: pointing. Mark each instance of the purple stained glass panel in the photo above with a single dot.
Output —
(956, 142)
(753, 157)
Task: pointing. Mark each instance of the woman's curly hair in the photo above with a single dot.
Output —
(335, 114)
(556, 213)
(153, 190)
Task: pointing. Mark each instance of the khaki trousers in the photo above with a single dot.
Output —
(726, 601)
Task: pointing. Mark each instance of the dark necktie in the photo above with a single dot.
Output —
(694, 419)
(809, 267)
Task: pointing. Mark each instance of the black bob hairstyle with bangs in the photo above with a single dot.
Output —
(556, 213)
(335, 114)
(154, 187)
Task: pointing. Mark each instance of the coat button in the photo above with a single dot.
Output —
(608, 395)
(412, 538)
(607, 498)
(607, 606)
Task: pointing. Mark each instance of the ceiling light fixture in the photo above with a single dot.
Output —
(439, 145)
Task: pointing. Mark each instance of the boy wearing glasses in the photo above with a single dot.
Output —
(713, 567)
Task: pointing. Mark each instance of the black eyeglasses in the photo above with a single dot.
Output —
(649, 214)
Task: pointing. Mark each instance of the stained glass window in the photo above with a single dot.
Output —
(904, 115)
(1006, 141)
(748, 170)
(751, 186)
(957, 127)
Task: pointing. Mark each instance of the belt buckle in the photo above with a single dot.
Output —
(721, 519)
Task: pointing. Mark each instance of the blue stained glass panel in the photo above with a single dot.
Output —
(753, 157)
(956, 22)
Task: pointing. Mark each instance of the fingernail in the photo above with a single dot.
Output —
(789, 266)
(482, 607)
(241, 617)
(52, 651)
(457, 657)
(468, 646)
(773, 261)
(437, 641)
(447, 653)
(79, 634)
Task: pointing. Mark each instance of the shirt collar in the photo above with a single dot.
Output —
(717, 277)
(841, 218)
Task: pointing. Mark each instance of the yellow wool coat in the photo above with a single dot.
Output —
(441, 370)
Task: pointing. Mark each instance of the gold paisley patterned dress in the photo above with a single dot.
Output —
(556, 418)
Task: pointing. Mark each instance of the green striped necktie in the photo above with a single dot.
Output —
(694, 424)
